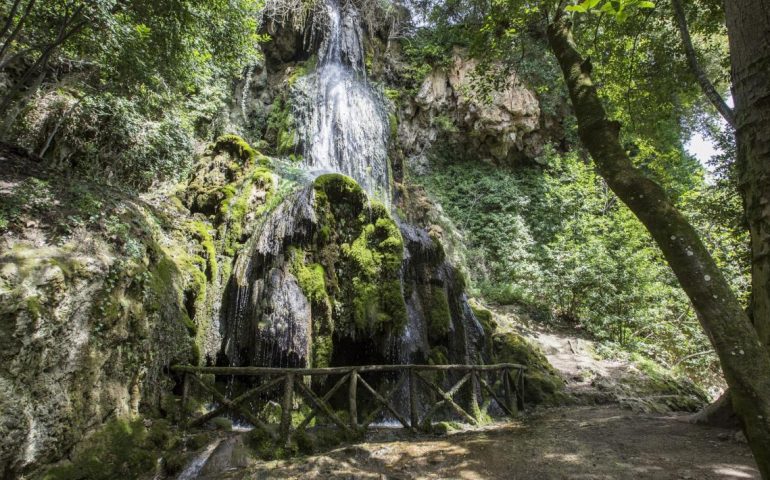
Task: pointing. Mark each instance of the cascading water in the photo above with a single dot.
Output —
(343, 125)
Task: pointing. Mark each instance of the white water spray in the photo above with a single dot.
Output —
(342, 121)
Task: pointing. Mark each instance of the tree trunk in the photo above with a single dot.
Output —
(748, 29)
(718, 414)
(744, 359)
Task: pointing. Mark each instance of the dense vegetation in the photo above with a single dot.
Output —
(552, 234)
(129, 92)
(120, 89)
(554, 237)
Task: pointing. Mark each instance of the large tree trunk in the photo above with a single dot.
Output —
(748, 28)
(744, 359)
(718, 414)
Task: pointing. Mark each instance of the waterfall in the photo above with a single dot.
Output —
(342, 122)
(267, 318)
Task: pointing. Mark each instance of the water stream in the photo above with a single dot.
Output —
(342, 121)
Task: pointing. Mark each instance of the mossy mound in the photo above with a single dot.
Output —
(350, 272)
(121, 449)
(542, 384)
(648, 387)
(217, 177)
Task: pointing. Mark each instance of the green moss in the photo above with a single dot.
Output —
(378, 300)
(366, 259)
(222, 423)
(236, 205)
(339, 190)
(360, 243)
(121, 449)
(176, 283)
(34, 307)
(439, 355)
(236, 146)
(265, 447)
(393, 124)
(485, 318)
(302, 69)
(280, 125)
(310, 277)
(437, 312)
(542, 384)
(323, 347)
(201, 233)
(393, 94)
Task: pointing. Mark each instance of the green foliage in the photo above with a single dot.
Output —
(135, 81)
(619, 9)
(31, 195)
(110, 137)
(280, 127)
(558, 239)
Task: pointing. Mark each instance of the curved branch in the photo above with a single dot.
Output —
(705, 84)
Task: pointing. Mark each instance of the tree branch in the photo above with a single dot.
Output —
(692, 59)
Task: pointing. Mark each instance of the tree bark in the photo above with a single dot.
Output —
(744, 359)
(748, 28)
(692, 59)
(718, 414)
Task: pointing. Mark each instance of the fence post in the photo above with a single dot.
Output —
(414, 420)
(474, 385)
(510, 403)
(352, 405)
(288, 393)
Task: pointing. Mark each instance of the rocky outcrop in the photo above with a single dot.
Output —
(329, 278)
(500, 125)
(96, 288)
(101, 290)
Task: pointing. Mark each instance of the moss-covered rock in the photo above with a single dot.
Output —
(438, 313)
(542, 384)
(221, 175)
(281, 128)
(367, 254)
(121, 449)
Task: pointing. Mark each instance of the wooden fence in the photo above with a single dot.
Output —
(501, 384)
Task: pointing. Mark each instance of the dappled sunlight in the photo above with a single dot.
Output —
(563, 457)
(735, 471)
(576, 443)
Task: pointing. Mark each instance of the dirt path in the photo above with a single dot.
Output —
(565, 443)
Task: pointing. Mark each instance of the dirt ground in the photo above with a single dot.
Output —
(595, 443)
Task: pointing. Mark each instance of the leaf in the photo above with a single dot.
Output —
(645, 4)
(608, 8)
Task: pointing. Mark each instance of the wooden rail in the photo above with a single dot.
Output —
(502, 384)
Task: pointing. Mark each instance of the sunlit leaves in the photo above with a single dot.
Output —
(619, 9)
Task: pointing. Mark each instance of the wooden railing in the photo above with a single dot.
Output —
(500, 383)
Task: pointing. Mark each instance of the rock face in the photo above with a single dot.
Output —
(94, 291)
(500, 126)
(330, 279)
(252, 260)
(101, 290)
